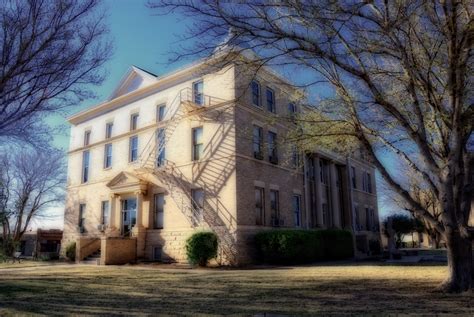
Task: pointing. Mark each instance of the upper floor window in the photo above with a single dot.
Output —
(85, 166)
(291, 109)
(160, 113)
(259, 206)
(295, 156)
(271, 100)
(198, 144)
(108, 155)
(134, 121)
(257, 142)
(87, 137)
(161, 146)
(133, 148)
(197, 195)
(272, 147)
(357, 217)
(297, 209)
(105, 212)
(82, 215)
(198, 92)
(159, 208)
(367, 182)
(109, 129)
(255, 93)
(353, 177)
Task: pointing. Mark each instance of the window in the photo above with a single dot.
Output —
(85, 166)
(255, 93)
(272, 148)
(259, 206)
(105, 212)
(160, 140)
(198, 94)
(134, 121)
(108, 130)
(270, 100)
(108, 155)
(295, 156)
(87, 137)
(257, 142)
(357, 218)
(291, 110)
(160, 113)
(297, 209)
(159, 206)
(368, 219)
(197, 203)
(353, 177)
(82, 215)
(369, 183)
(133, 145)
(198, 145)
(274, 207)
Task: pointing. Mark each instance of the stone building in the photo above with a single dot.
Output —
(204, 148)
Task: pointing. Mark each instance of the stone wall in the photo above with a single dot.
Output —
(118, 251)
(85, 247)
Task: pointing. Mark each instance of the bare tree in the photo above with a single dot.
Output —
(402, 76)
(31, 181)
(51, 52)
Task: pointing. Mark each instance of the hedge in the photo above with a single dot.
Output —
(291, 246)
(201, 247)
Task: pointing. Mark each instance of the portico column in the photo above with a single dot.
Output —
(139, 196)
(319, 196)
(112, 211)
(335, 210)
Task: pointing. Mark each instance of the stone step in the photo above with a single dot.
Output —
(90, 261)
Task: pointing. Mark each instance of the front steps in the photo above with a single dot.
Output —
(93, 259)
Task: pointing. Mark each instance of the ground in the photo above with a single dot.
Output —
(335, 288)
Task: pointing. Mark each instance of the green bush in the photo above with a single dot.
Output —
(71, 251)
(293, 246)
(201, 247)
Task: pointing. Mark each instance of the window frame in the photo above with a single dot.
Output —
(260, 217)
(257, 143)
(107, 162)
(134, 121)
(156, 211)
(353, 177)
(160, 116)
(256, 95)
(198, 94)
(197, 148)
(196, 208)
(275, 203)
(109, 126)
(272, 147)
(270, 106)
(105, 214)
(296, 211)
(85, 167)
(131, 150)
(87, 137)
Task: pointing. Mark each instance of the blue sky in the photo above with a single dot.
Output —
(140, 38)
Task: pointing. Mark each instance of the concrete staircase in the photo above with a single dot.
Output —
(93, 259)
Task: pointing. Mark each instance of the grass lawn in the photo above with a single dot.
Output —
(138, 290)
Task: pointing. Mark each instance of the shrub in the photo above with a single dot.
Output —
(201, 247)
(302, 246)
(71, 251)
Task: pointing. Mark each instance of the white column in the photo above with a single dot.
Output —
(113, 211)
(319, 196)
(139, 196)
(335, 206)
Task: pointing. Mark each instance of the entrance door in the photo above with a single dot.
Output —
(129, 215)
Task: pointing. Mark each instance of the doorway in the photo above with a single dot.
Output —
(129, 215)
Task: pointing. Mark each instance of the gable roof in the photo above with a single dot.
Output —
(135, 78)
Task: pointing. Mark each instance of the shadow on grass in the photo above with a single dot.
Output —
(302, 291)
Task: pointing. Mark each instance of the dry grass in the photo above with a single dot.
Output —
(134, 290)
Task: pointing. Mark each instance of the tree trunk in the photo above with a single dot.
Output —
(460, 271)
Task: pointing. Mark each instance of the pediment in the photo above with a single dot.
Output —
(135, 78)
(125, 180)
